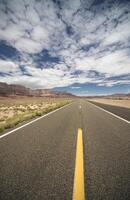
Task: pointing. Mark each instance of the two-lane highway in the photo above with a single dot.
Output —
(38, 161)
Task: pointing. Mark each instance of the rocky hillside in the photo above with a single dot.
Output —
(15, 90)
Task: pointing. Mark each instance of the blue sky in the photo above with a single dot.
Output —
(79, 46)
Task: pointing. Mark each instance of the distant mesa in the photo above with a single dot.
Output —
(19, 90)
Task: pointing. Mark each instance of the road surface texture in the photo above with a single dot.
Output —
(120, 111)
(37, 162)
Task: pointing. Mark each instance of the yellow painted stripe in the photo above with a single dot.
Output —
(78, 188)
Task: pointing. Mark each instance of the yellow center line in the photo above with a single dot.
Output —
(78, 188)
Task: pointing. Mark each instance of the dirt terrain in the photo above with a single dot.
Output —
(116, 102)
(14, 110)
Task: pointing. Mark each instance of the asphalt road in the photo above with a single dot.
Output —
(120, 111)
(38, 161)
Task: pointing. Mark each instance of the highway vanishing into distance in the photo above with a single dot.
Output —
(78, 152)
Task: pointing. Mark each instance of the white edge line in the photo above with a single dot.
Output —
(16, 129)
(111, 113)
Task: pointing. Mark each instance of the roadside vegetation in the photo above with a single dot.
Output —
(19, 109)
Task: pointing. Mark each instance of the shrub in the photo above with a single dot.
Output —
(2, 129)
(39, 113)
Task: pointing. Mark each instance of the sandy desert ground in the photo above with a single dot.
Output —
(116, 102)
(14, 110)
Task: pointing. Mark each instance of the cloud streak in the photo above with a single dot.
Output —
(60, 43)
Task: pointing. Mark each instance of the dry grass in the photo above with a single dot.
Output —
(16, 110)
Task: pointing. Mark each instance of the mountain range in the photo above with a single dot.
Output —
(19, 90)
